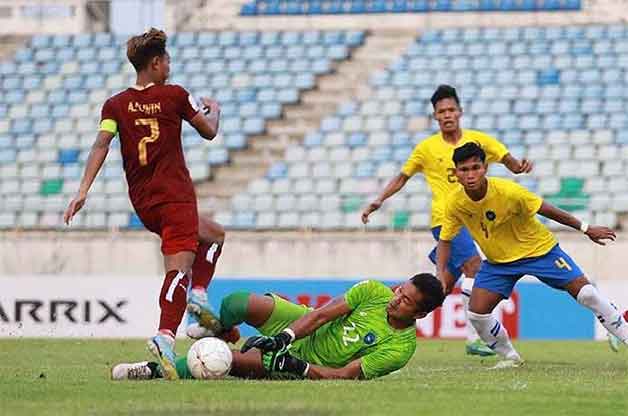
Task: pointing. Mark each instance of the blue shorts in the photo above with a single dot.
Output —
(462, 249)
(555, 269)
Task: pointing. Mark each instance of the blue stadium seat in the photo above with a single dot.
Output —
(82, 40)
(86, 54)
(40, 110)
(548, 77)
(218, 156)
(313, 140)
(277, 170)
(68, 156)
(204, 39)
(235, 141)
(14, 97)
(102, 39)
(41, 41)
(61, 41)
(8, 68)
(23, 55)
(7, 156)
(244, 220)
(315, 7)
(109, 68)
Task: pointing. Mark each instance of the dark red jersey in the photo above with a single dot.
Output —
(149, 124)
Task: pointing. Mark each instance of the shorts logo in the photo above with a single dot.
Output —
(490, 215)
(369, 338)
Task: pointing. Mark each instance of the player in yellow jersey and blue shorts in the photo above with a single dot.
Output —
(432, 157)
(501, 217)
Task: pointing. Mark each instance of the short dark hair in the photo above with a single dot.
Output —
(431, 289)
(142, 48)
(442, 92)
(468, 151)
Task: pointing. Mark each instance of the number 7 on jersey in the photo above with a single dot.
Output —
(154, 136)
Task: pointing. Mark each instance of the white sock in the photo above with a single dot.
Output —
(606, 313)
(494, 334)
(466, 287)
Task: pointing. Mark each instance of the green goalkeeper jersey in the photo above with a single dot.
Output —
(363, 333)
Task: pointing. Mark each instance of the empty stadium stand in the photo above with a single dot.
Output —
(556, 95)
(52, 91)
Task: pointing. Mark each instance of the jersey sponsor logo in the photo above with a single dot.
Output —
(350, 334)
(370, 338)
(490, 215)
(150, 108)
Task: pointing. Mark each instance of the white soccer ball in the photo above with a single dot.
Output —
(209, 359)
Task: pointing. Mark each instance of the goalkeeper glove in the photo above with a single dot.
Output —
(279, 342)
(283, 362)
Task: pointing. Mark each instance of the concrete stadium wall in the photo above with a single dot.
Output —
(27, 17)
(272, 255)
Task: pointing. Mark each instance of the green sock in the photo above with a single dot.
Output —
(182, 368)
(233, 309)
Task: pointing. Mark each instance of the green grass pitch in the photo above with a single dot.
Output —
(71, 377)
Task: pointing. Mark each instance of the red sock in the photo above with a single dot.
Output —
(626, 315)
(173, 300)
(205, 264)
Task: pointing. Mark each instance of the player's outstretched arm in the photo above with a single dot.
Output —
(517, 166)
(300, 328)
(97, 156)
(596, 233)
(351, 371)
(391, 188)
(206, 122)
(258, 365)
(310, 322)
(443, 253)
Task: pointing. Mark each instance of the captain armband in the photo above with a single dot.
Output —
(109, 126)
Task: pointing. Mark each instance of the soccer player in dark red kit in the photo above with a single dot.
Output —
(147, 117)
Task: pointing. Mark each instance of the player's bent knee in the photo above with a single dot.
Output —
(210, 231)
(234, 309)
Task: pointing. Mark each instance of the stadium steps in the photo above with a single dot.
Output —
(11, 43)
(204, 14)
(348, 80)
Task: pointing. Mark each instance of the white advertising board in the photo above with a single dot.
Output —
(102, 307)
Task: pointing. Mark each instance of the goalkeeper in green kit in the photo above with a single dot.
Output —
(367, 333)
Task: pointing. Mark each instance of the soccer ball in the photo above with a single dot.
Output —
(209, 359)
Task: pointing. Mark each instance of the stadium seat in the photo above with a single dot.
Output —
(551, 93)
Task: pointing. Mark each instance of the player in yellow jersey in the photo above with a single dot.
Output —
(432, 157)
(501, 217)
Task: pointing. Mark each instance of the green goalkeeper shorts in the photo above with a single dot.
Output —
(284, 314)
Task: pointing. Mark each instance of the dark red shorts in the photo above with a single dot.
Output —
(176, 223)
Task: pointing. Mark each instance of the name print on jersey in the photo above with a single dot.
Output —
(150, 108)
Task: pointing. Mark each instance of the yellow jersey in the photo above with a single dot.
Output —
(433, 156)
(503, 223)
